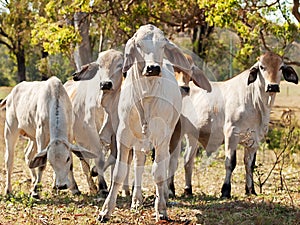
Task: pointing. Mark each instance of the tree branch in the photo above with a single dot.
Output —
(262, 37)
(295, 10)
(6, 44)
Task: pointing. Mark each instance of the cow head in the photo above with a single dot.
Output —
(108, 69)
(58, 152)
(197, 76)
(271, 67)
(148, 47)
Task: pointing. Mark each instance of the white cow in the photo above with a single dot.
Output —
(92, 125)
(148, 110)
(42, 111)
(237, 111)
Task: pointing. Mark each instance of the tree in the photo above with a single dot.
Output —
(15, 31)
(249, 20)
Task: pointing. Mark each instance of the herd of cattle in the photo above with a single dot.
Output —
(147, 99)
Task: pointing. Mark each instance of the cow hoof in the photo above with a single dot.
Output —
(162, 217)
(76, 192)
(94, 172)
(35, 195)
(171, 194)
(103, 193)
(250, 191)
(103, 218)
(188, 191)
(226, 189)
(8, 192)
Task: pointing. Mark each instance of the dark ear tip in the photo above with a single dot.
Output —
(75, 78)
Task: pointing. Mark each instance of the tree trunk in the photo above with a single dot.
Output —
(21, 65)
(200, 39)
(83, 51)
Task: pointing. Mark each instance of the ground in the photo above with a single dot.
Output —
(278, 203)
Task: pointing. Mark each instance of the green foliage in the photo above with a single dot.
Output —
(48, 25)
(54, 37)
(250, 21)
(7, 67)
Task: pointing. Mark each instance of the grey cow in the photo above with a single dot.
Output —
(92, 99)
(235, 112)
(42, 111)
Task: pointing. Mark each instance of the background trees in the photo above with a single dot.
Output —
(47, 37)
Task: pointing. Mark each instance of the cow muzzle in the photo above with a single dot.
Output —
(106, 85)
(273, 88)
(153, 70)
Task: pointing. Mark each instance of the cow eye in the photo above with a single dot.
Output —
(68, 159)
(262, 67)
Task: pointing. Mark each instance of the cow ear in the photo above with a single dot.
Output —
(40, 159)
(86, 72)
(290, 74)
(253, 73)
(128, 55)
(176, 57)
(81, 152)
(200, 79)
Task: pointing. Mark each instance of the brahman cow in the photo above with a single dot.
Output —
(42, 111)
(237, 111)
(148, 110)
(92, 125)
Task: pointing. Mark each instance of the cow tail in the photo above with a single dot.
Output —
(3, 104)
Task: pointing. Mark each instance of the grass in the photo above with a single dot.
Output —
(276, 205)
(273, 206)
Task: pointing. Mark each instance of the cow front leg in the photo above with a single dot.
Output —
(249, 161)
(37, 184)
(139, 163)
(73, 185)
(189, 157)
(175, 149)
(126, 186)
(159, 171)
(119, 175)
(85, 166)
(99, 161)
(30, 152)
(41, 143)
(231, 141)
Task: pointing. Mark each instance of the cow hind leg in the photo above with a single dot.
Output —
(249, 161)
(11, 136)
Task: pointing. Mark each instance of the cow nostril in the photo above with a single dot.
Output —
(105, 85)
(153, 70)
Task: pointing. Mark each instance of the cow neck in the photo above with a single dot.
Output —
(140, 89)
(262, 101)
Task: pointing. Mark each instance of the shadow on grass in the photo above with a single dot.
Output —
(198, 209)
